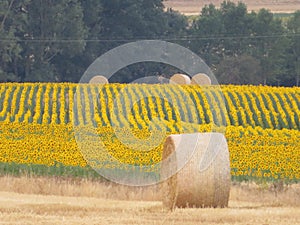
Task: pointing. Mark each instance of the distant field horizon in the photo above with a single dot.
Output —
(193, 7)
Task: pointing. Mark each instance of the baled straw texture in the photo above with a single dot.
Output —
(180, 79)
(99, 79)
(201, 79)
(204, 180)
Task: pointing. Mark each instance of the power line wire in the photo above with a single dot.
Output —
(184, 38)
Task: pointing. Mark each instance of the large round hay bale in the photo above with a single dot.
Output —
(201, 79)
(203, 177)
(180, 79)
(99, 79)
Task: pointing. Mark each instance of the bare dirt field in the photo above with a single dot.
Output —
(193, 7)
(55, 201)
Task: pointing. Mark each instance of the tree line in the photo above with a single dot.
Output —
(55, 41)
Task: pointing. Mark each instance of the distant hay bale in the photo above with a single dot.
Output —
(201, 79)
(204, 180)
(99, 79)
(180, 79)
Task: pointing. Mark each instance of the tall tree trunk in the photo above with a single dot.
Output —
(6, 15)
(265, 81)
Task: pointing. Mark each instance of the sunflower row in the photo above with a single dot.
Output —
(139, 105)
(254, 152)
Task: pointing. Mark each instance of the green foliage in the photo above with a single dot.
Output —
(55, 29)
(60, 170)
(57, 40)
(12, 27)
(243, 69)
(294, 29)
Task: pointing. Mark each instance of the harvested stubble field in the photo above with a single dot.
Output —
(29, 200)
(193, 7)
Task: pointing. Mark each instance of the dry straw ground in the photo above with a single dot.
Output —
(55, 201)
(193, 7)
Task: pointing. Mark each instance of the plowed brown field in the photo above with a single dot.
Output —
(193, 7)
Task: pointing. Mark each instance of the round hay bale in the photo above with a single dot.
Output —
(180, 79)
(99, 79)
(201, 79)
(203, 177)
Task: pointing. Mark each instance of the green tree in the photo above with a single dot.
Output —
(131, 20)
(55, 29)
(73, 67)
(176, 24)
(92, 10)
(237, 27)
(267, 32)
(243, 69)
(208, 30)
(294, 31)
(221, 32)
(278, 61)
(13, 19)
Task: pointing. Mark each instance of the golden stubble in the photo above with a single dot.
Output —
(41, 200)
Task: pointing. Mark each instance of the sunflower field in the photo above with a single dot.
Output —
(70, 124)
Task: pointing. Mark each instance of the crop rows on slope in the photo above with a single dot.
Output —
(137, 106)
